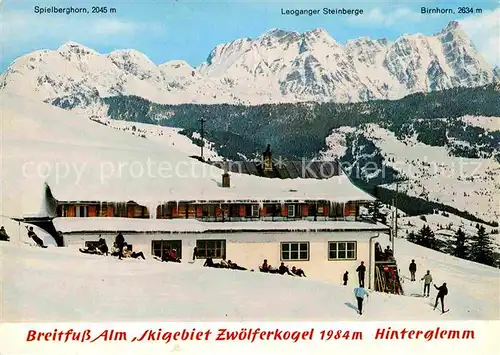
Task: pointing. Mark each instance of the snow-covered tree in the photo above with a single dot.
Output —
(457, 246)
(426, 238)
(482, 248)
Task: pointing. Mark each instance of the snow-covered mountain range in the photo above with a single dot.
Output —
(279, 66)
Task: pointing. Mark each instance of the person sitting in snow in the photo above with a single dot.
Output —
(114, 250)
(32, 235)
(282, 270)
(209, 262)
(173, 256)
(170, 255)
(127, 253)
(223, 263)
(298, 272)
(267, 268)
(102, 246)
(91, 250)
(3, 235)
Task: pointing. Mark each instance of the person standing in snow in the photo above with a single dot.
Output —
(3, 235)
(360, 293)
(361, 274)
(442, 291)
(413, 269)
(195, 253)
(346, 277)
(120, 242)
(427, 282)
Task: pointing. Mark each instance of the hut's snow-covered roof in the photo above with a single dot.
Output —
(97, 224)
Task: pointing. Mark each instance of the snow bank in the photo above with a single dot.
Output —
(72, 224)
(88, 288)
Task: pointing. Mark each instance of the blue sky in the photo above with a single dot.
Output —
(189, 30)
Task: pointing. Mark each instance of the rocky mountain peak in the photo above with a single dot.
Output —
(278, 66)
(76, 48)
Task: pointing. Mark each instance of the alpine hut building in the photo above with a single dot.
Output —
(304, 214)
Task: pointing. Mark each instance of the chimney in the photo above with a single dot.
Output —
(226, 181)
(268, 159)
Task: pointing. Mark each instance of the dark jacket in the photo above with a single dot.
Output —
(442, 290)
(119, 240)
(209, 262)
(283, 270)
(361, 269)
(413, 267)
(346, 276)
(3, 235)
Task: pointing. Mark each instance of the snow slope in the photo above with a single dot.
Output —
(487, 123)
(166, 135)
(82, 160)
(444, 225)
(94, 288)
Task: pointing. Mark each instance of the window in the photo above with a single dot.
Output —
(214, 248)
(341, 250)
(255, 210)
(82, 211)
(208, 210)
(120, 210)
(160, 247)
(312, 210)
(272, 210)
(295, 251)
(291, 210)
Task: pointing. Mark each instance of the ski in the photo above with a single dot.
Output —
(445, 312)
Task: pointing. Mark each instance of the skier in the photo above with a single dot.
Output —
(442, 291)
(195, 253)
(361, 274)
(360, 293)
(346, 277)
(3, 234)
(120, 242)
(427, 282)
(32, 235)
(413, 269)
